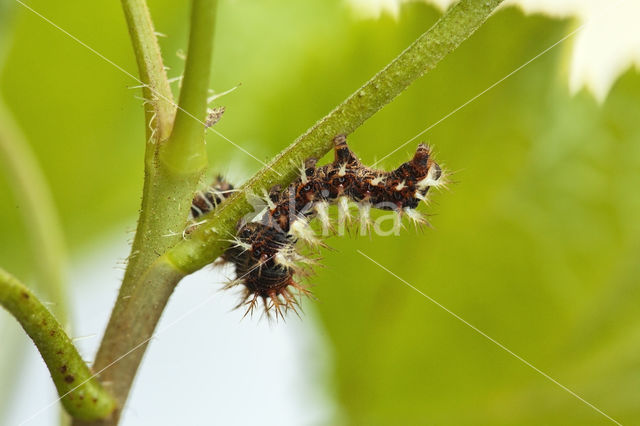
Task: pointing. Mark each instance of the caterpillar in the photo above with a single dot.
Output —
(264, 251)
(205, 201)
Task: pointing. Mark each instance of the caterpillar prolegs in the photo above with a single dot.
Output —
(264, 252)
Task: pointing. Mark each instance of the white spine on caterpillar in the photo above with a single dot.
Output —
(301, 229)
(321, 209)
(433, 178)
(377, 181)
(267, 199)
(365, 217)
(303, 173)
(344, 214)
(287, 257)
(238, 243)
(416, 217)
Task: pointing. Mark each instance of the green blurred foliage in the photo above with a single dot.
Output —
(536, 242)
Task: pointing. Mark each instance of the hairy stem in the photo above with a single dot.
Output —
(159, 116)
(82, 395)
(133, 330)
(160, 108)
(173, 171)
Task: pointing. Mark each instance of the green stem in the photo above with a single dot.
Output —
(209, 241)
(159, 117)
(160, 108)
(185, 151)
(40, 216)
(134, 330)
(173, 171)
(82, 395)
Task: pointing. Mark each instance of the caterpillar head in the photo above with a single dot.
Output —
(426, 171)
(414, 178)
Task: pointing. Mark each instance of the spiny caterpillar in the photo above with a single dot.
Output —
(206, 201)
(264, 253)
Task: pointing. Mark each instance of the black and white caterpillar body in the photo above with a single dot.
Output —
(264, 254)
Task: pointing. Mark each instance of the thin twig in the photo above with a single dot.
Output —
(82, 396)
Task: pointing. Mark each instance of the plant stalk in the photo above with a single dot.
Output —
(159, 110)
(81, 394)
(174, 166)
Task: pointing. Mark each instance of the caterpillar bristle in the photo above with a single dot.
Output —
(207, 200)
(238, 243)
(364, 210)
(264, 250)
(421, 197)
(248, 301)
(301, 229)
(291, 303)
(431, 179)
(232, 283)
(286, 260)
(377, 181)
(415, 216)
(322, 213)
(344, 214)
(303, 173)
